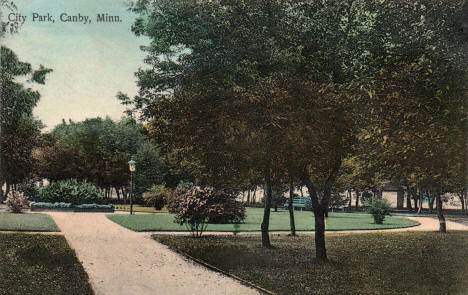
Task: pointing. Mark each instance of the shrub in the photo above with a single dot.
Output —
(94, 206)
(29, 189)
(157, 197)
(70, 191)
(46, 205)
(16, 202)
(172, 202)
(378, 208)
(198, 206)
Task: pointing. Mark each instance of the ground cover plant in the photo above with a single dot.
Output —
(279, 222)
(40, 264)
(27, 222)
(376, 263)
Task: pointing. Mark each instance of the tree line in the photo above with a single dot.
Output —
(269, 92)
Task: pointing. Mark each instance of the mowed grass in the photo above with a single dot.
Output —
(27, 222)
(40, 264)
(411, 263)
(279, 222)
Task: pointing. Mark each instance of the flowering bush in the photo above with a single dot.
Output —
(198, 206)
(16, 202)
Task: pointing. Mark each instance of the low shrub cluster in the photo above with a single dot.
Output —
(16, 202)
(45, 205)
(94, 206)
(62, 205)
(70, 191)
(195, 207)
(157, 197)
(378, 208)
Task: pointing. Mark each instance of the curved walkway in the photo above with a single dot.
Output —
(120, 261)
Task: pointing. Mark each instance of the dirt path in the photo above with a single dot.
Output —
(120, 261)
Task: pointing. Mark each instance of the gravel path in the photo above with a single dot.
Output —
(119, 261)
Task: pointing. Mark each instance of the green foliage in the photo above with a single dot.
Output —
(157, 196)
(16, 202)
(94, 206)
(98, 150)
(198, 206)
(70, 191)
(47, 205)
(378, 208)
(20, 131)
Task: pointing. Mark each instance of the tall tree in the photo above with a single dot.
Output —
(19, 130)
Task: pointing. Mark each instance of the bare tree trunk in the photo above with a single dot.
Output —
(320, 249)
(462, 200)
(350, 196)
(266, 213)
(254, 195)
(291, 209)
(420, 201)
(357, 199)
(440, 215)
(117, 191)
(248, 197)
(408, 201)
(431, 202)
(302, 193)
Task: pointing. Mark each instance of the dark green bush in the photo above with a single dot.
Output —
(70, 191)
(378, 208)
(157, 197)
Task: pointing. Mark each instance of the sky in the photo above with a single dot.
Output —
(90, 62)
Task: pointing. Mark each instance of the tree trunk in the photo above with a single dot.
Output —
(266, 212)
(408, 201)
(431, 202)
(440, 215)
(350, 195)
(248, 197)
(7, 189)
(420, 201)
(320, 249)
(302, 193)
(462, 201)
(1, 192)
(400, 197)
(357, 199)
(117, 193)
(291, 209)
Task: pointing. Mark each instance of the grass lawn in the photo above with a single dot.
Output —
(411, 263)
(138, 208)
(40, 264)
(27, 222)
(279, 222)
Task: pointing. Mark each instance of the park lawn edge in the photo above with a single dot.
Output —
(415, 223)
(53, 229)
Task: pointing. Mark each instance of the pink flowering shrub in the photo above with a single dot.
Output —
(197, 206)
(16, 202)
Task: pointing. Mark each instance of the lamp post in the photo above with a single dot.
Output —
(132, 167)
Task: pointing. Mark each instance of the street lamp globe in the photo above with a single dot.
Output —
(132, 165)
